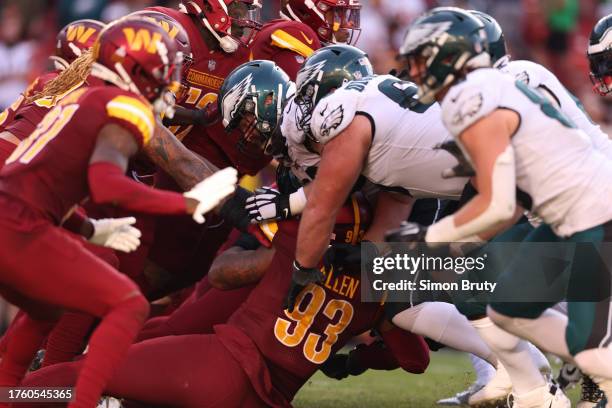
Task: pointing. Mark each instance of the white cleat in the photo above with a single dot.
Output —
(546, 396)
(495, 392)
(109, 402)
(462, 397)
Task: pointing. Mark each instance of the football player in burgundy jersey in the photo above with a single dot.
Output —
(19, 120)
(81, 149)
(266, 354)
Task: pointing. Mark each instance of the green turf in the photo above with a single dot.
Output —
(448, 373)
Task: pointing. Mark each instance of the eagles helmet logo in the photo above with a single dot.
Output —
(308, 74)
(332, 121)
(422, 33)
(233, 99)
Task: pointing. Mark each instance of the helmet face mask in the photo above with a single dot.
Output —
(334, 21)
(326, 70)
(441, 47)
(252, 99)
(599, 54)
(233, 23)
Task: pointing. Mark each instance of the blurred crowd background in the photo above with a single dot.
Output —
(552, 32)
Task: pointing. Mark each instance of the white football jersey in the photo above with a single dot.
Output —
(537, 76)
(568, 179)
(293, 128)
(402, 154)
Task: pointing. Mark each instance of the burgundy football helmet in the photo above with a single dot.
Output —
(175, 30)
(231, 22)
(138, 55)
(334, 21)
(73, 39)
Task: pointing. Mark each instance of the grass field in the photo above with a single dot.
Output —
(448, 373)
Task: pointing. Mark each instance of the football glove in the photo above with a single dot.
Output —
(463, 169)
(211, 191)
(300, 278)
(407, 232)
(116, 233)
(268, 204)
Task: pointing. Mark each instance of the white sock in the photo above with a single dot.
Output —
(513, 353)
(547, 331)
(540, 360)
(484, 370)
(443, 323)
(596, 363)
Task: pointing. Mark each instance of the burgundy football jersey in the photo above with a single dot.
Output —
(48, 170)
(287, 43)
(294, 345)
(7, 117)
(204, 80)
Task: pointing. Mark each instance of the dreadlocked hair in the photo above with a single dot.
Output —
(76, 73)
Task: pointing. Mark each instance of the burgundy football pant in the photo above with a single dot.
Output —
(193, 371)
(43, 265)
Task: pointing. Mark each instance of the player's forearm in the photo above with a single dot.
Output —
(391, 210)
(108, 185)
(314, 233)
(169, 154)
(237, 267)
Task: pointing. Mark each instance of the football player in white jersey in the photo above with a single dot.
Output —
(515, 137)
(396, 139)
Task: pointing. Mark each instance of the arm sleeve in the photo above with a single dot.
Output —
(409, 349)
(108, 185)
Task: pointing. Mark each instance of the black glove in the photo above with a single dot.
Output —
(343, 256)
(301, 277)
(463, 169)
(341, 365)
(268, 204)
(233, 210)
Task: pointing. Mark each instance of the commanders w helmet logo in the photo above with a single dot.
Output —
(80, 33)
(142, 39)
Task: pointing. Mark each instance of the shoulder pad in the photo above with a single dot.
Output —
(333, 114)
(529, 72)
(472, 99)
(299, 39)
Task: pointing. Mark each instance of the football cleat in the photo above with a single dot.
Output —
(462, 397)
(546, 396)
(569, 375)
(495, 392)
(109, 402)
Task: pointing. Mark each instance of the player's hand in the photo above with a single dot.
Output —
(336, 366)
(208, 115)
(341, 365)
(210, 191)
(116, 233)
(463, 169)
(409, 232)
(268, 204)
(300, 278)
(343, 256)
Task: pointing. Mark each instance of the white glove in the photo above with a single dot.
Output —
(116, 233)
(270, 204)
(210, 191)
